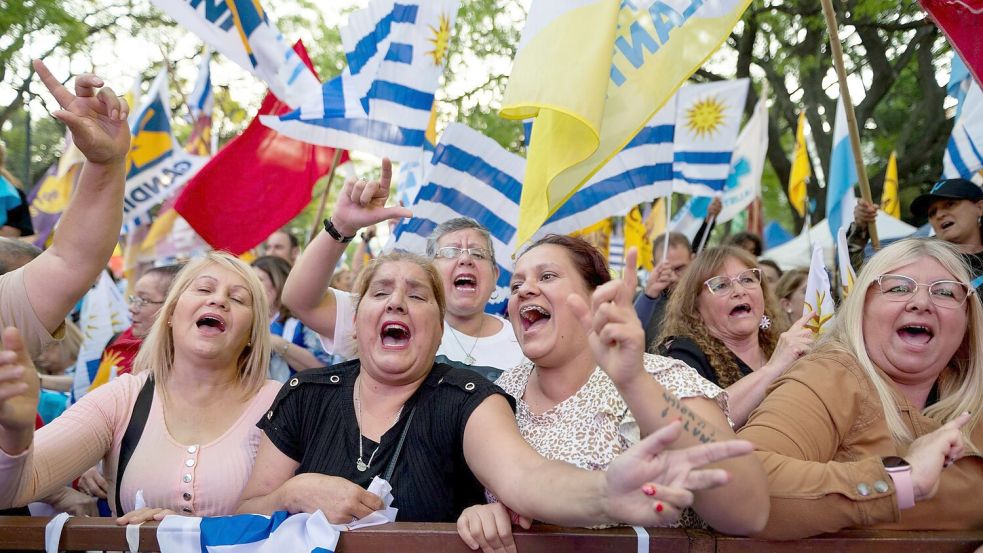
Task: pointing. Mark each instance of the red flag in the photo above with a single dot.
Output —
(255, 184)
(962, 23)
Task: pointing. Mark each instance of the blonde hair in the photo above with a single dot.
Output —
(960, 384)
(157, 352)
(683, 318)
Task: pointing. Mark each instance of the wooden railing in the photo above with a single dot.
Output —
(81, 534)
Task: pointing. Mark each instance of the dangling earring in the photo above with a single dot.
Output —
(765, 323)
(494, 295)
(169, 323)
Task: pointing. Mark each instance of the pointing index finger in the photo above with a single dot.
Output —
(630, 274)
(58, 90)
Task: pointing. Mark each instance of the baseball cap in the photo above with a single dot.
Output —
(951, 189)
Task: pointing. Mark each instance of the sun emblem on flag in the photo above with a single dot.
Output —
(705, 117)
(440, 40)
(818, 319)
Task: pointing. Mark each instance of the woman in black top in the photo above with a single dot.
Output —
(722, 320)
(438, 433)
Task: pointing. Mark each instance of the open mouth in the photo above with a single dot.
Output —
(946, 225)
(395, 335)
(211, 324)
(466, 282)
(739, 310)
(915, 334)
(531, 315)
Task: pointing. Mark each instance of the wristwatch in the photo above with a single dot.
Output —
(900, 472)
(333, 232)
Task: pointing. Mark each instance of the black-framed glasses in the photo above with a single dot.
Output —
(451, 252)
(139, 303)
(943, 293)
(720, 285)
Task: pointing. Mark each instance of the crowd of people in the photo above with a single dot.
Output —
(697, 398)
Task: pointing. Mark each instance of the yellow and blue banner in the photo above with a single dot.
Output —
(104, 313)
(889, 196)
(593, 73)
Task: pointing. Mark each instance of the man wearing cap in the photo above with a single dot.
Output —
(954, 208)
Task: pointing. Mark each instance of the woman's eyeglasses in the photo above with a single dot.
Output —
(943, 293)
(720, 285)
(450, 252)
(140, 303)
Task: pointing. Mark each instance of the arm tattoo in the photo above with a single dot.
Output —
(692, 423)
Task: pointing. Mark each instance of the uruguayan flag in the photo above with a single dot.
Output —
(240, 30)
(201, 101)
(103, 315)
(708, 118)
(840, 199)
(381, 103)
(964, 153)
(746, 165)
(280, 533)
(470, 175)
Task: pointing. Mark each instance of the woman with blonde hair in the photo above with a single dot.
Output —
(179, 432)
(880, 426)
(723, 320)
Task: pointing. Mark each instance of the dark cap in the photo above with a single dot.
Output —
(950, 189)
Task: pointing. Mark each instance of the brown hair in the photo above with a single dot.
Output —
(278, 269)
(683, 318)
(676, 240)
(590, 262)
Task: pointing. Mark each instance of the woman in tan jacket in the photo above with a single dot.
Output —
(872, 429)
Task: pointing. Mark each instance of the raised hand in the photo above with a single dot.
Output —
(19, 392)
(649, 485)
(864, 213)
(662, 276)
(932, 452)
(614, 333)
(96, 116)
(490, 527)
(362, 203)
(794, 343)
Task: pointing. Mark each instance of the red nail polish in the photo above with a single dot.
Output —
(659, 508)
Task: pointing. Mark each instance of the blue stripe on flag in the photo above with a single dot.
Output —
(458, 159)
(400, 53)
(367, 46)
(400, 94)
(972, 146)
(415, 225)
(716, 184)
(702, 157)
(659, 134)
(368, 128)
(468, 207)
(597, 192)
(956, 158)
(238, 529)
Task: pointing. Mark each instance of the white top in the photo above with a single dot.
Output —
(500, 350)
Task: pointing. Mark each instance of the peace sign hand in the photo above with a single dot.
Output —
(97, 118)
(615, 334)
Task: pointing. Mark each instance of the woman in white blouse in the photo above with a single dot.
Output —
(588, 391)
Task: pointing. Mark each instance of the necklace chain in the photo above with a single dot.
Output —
(469, 358)
(361, 465)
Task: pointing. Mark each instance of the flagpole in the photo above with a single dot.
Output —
(316, 225)
(851, 118)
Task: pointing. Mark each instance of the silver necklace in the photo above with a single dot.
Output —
(468, 358)
(361, 465)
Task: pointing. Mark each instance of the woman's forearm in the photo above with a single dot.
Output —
(746, 394)
(306, 290)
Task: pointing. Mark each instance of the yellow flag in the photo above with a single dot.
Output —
(889, 197)
(637, 236)
(801, 171)
(599, 236)
(593, 73)
(656, 221)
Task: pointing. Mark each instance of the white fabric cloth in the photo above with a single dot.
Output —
(500, 350)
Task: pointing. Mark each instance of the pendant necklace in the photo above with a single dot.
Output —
(468, 358)
(361, 465)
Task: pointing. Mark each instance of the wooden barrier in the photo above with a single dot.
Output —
(81, 534)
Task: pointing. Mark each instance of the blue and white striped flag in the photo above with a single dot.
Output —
(708, 118)
(240, 30)
(840, 198)
(280, 533)
(381, 103)
(201, 101)
(103, 315)
(964, 153)
(470, 175)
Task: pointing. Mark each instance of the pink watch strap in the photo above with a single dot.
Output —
(904, 488)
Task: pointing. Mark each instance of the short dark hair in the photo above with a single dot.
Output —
(278, 269)
(590, 263)
(294, 243)
(741, 237)
(676, 240)
(771, 264)
(14, 254)
(165, 273)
